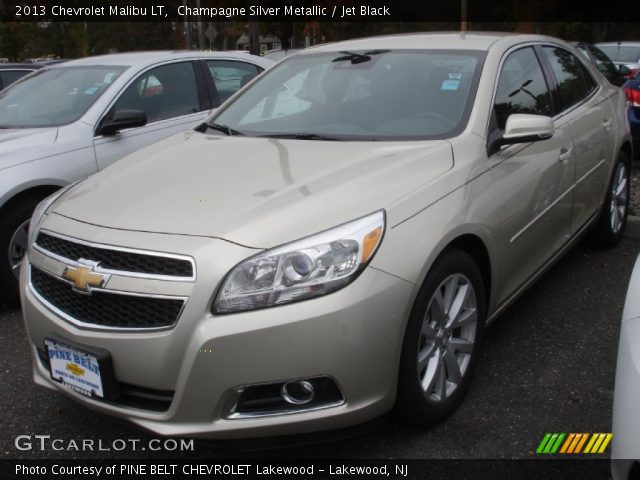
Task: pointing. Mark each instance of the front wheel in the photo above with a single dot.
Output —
(14, 226)
(610, 226)
(442, 340)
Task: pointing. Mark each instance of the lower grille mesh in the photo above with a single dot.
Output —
(106, 309)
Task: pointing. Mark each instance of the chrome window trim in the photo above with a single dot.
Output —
(124, 273)
(94, 327)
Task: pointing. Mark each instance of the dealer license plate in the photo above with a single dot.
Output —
(75, 368)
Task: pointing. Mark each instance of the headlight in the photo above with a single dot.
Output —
(41, 209)
(303, 269)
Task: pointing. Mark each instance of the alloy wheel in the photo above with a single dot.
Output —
(447, 337)
(619, 198)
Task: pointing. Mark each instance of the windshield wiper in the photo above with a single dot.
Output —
(356, 57)
(227, 130)
(302, 136)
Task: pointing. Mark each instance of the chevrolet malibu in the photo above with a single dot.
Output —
(332, 242)
(72, 119)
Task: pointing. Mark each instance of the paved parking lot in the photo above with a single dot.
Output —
(548, 365)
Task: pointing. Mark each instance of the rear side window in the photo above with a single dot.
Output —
(574, 82)
(230, 76)
(603, 63)
(521, 87)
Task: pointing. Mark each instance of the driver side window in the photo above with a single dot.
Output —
(521, 87)
(164, 92)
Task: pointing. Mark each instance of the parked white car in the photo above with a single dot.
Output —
(622, 53)
(70, 120)
(625, 447)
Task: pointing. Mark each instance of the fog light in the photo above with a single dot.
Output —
(281, 398)
(297, 393)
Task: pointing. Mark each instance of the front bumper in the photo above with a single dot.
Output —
(353, 336)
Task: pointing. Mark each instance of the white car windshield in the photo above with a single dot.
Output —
(359, 95)
(54, 97)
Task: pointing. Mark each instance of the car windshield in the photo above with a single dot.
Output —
(623, 53)
(54, 97)
(359, 95)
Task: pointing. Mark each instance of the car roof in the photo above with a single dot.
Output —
(140, 59)
(435, 40)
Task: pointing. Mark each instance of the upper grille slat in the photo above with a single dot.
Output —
(117, 260)
(104, 309)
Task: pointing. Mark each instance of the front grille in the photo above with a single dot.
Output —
(116, 259)
(105, 309)
(131, 395)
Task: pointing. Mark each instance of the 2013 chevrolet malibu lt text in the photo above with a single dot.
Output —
(332, 242)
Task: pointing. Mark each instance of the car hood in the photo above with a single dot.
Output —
(19, 145)
(256, 192)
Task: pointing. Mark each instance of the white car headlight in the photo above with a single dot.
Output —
(306, 268)
(41, 209)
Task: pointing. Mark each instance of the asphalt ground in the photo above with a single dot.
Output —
(547, 365)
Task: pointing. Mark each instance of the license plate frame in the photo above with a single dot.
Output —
(83, 369)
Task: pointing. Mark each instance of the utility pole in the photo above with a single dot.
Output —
(464, 24)
(187, 27)
(200, 29)
(254, 35)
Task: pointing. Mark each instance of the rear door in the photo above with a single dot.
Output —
(581, 105)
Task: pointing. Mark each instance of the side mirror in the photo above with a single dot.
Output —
(122, 119)
(523, 128)
(624, 70)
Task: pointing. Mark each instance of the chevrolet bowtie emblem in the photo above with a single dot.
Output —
(75, 369)
(84, 278)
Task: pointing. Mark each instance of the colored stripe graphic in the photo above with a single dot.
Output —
(567, 443)
(543, 443)
(550, 443)
(581, 443)
(606, 441)
(573, 443)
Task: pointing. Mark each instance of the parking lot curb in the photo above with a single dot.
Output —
(633, 227)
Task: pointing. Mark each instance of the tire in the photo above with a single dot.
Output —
(429, 386)
(14, 223)
(612, 221)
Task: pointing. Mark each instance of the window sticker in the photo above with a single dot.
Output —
(450, 85)
(91, 90)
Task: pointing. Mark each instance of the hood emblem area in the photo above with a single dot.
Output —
(84, 278)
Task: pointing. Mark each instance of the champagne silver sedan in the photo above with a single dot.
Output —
(332, 242)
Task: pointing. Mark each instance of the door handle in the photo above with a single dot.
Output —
(607, 123)
(565, 154)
